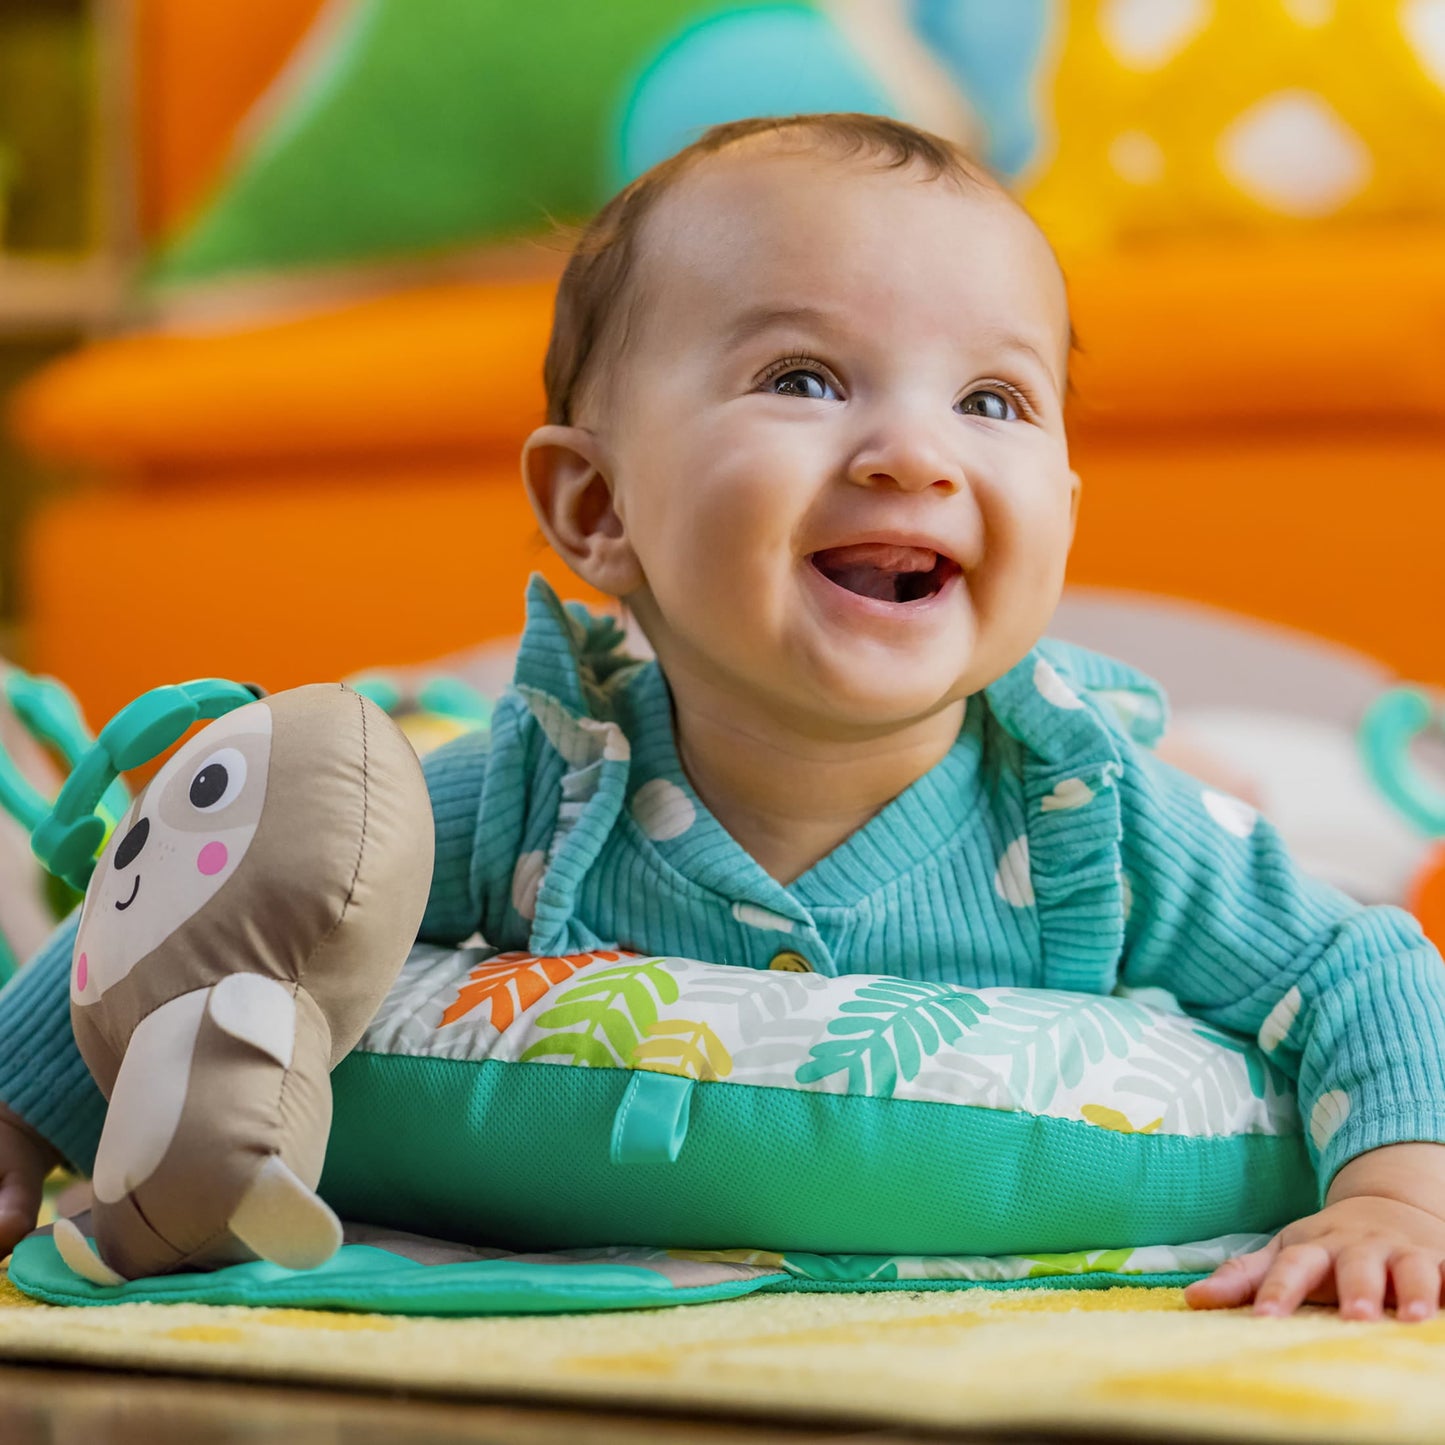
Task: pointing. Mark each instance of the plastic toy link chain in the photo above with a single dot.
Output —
(47, 711)
(1392, 723)
(68, 834)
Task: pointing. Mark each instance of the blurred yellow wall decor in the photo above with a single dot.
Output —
(1197, 116)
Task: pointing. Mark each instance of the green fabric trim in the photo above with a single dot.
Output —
(527, 1167)
(374, 1280)
(360, 1277)
(1094, 1279)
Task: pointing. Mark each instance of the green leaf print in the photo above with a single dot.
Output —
(580, 1049)
(893, 1023)
(619, 1004)
(1103, 1261)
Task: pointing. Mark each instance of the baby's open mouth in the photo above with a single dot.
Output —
(886, 571)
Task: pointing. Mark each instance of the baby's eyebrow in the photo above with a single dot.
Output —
(1024, 347)
(758, 319)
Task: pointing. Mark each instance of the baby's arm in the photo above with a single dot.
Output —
(51, 1107)
(456, 780)
(1348, 1000)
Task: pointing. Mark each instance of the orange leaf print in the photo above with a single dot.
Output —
(512, 982)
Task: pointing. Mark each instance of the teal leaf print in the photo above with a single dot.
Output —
(842, 1268)
(890, 1024)
(1253, 1059)
(1049, 1038)
(601, 1020)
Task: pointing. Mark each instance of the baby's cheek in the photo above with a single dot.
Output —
(212, 858)
(82, 973)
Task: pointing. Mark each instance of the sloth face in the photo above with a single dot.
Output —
(175, 848)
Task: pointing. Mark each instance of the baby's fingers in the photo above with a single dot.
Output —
(1299, 1269)
(1360, 1282)
(1417, 1285)
(1234, 1282)
(19, 1205)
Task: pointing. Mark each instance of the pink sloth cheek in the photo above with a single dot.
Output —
(212, 858)
(82, 973)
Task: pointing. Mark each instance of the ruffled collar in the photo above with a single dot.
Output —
(576, 656)
(1071, 711)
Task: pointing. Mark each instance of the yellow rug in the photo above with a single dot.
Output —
(1108, 1360)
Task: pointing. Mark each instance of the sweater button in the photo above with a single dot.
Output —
(789, 962)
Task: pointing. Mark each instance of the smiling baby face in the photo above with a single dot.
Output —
(833, 440)
(179, 842)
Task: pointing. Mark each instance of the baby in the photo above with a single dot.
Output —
(805, 394)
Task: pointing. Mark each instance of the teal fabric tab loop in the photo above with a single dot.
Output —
(651, 1120)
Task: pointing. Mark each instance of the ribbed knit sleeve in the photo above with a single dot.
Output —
(455, 778)
(42, 1076)
(1347, 999)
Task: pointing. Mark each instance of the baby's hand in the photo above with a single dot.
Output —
(25, 1160)
(1349, 1253)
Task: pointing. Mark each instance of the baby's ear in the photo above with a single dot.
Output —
(570, 489)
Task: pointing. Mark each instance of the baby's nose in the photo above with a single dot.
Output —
(921, 483)
(908, 470)
(908, 457)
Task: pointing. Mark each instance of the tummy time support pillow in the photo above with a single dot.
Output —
(611, 1099)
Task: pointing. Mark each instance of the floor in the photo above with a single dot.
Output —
(84, 1407)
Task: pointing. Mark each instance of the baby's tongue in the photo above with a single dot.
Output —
(872, 568)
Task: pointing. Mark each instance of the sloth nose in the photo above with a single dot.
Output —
(132, 843)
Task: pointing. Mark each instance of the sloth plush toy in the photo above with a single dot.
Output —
(243, 924)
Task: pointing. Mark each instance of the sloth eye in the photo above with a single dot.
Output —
(130, 846)
(218, 781)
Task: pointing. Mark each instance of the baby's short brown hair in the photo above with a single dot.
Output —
(597, 288)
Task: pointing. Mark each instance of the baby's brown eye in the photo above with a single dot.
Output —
(995, 405)
(807, 384)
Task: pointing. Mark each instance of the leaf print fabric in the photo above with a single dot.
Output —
(1048, 1039)
(1153, 1259)
(1112, 1063)
(685, 1047)
(513, 983)
(891, 1024)
(601, 1022)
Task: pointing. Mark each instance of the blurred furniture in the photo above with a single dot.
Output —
(65, 214)
(1260, 428)
(332, 483)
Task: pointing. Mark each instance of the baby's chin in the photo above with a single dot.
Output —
(878, 699)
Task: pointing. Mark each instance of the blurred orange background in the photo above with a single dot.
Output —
(1259, 416)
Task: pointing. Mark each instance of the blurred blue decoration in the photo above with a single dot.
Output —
(1392, 724)
(442, 694)
(993, 50)
(52, 717)
(740, 62)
